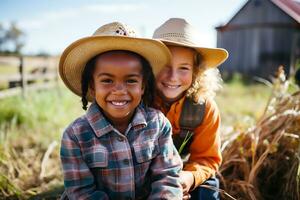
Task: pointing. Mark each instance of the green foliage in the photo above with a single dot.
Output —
(11, 39)
(12, 114)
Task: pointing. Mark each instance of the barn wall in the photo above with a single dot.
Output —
(259, 38)
(257, 51)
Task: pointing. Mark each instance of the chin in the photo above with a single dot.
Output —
(171, 96)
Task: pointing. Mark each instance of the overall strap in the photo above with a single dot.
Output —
(191, 117)
(192, 114)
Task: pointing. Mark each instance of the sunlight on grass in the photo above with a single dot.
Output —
(241, 104)
(28, 127)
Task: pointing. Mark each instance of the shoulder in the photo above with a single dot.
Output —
(156, 117)
(212, 113)
(77, 127)
(211, 106)
(153, 114)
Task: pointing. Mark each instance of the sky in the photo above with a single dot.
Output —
(51, 25)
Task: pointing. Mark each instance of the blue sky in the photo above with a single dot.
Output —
(53, 24)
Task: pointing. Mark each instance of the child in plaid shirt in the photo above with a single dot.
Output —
(121, 148)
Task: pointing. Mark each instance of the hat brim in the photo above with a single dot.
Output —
(212, 57)
(76, 55)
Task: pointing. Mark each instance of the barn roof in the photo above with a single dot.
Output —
(290, 7)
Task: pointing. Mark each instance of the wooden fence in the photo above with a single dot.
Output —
(21, 74)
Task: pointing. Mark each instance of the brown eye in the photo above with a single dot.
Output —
(132, 81)
(106, 81)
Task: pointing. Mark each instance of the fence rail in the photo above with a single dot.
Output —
(21, 74)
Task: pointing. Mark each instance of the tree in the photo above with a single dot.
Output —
(15, 36)
(11, 39)
(2, 37)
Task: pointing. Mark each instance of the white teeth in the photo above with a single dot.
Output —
(119, 103)
(172, 87)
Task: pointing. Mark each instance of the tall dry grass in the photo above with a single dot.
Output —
(263, 162)
(30, 132)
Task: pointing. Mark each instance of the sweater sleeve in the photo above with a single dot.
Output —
(205, 157)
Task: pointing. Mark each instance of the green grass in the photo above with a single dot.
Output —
(47, 111)
(27, 128)
(240, 103)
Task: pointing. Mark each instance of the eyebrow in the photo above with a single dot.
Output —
(110, 75)
(190, 64)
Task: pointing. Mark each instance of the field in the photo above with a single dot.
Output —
(28, 129)
(30, 132)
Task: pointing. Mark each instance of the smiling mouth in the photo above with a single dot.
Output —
(118, 103)
(171, 86)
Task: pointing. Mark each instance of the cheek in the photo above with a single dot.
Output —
(161, 75)
(139, 91)
(99, 91)
(186, 77)
(136, 91)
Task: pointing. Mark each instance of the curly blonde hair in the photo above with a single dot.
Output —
(206, 81)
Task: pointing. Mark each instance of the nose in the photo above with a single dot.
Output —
(172, 74)
(119, 88)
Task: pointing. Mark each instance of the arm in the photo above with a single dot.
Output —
(166, 167)
(78, 179)
(205, 151)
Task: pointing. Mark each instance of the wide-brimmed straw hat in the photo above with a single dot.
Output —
(178, 32)
(112, 36)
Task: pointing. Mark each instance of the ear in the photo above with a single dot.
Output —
(92, 88)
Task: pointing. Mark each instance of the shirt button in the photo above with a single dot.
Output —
(121, 139)
(126, 161)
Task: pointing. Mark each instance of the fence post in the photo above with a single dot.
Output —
(57, 78)
(23, 77)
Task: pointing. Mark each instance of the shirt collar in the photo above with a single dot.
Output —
(102, 126)
(139, 120)
(165, 108)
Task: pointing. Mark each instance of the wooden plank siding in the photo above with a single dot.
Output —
(259, 38)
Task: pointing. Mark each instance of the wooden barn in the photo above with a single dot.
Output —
(262, 35)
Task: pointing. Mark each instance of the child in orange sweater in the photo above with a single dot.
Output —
(192, 76)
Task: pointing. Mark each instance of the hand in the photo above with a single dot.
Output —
(186, 196)
(187, 181)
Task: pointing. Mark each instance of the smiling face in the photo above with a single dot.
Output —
(118, 85)
(172, 81)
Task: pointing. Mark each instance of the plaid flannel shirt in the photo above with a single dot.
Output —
(101, 163)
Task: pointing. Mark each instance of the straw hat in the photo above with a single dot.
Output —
(112, 36)
(178, 32)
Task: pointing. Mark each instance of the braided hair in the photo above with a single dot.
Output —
(86, 80)
(148, 78)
